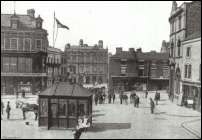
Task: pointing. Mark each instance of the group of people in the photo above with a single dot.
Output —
(99, 96)
(136, 100)
(8, 109)
(111, 97)
(82, 126)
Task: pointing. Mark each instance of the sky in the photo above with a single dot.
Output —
(126, 24)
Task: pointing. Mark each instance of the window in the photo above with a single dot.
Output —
(72, 108)
(172, 27)
(94, 79)
(2, 41)
(5, 64)
(62, 107)
(179, 25)
(188, 54)
(43, 107)
(13, 64)
(185, 71)
(200, 72)
(38, 43)
(179, 47)
(13, 43)
(189, 72)
(27, 44)
(82, 108)
(171, 50)
(188, 69)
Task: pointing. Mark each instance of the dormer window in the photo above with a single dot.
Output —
(14, 21)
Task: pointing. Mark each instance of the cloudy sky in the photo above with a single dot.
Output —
(118, 23)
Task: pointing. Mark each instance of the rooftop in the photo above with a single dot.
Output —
(66, 89)
(152, 56)
(124, 55)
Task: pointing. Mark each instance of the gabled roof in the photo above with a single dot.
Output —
(66, 89)
(25, 21)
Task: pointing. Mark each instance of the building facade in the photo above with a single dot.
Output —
(191, 72)
(184, 20)
(165, 47)
(23, 53)
(122, 70)
(129, 70)
(53, 65)
(153, 70)
(85, 64)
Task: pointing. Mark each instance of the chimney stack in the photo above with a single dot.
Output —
(81, 42)
(139, 50)
(118, 50)
(131, 50)
(100, 43)
(31, 12)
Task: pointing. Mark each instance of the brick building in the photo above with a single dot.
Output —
(23, 53)
(86, 64)
(153, 70)
(122, 70)
(191, 72)
(184, 20)
(129, 70)
(53, 64)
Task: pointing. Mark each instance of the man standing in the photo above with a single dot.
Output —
(114, 97)
(156, 98)
(152, 105)
(146, 94)
(8, 109)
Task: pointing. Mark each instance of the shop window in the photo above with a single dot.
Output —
(82, 108)
(62, 107)
(43, 107)
(72, 108)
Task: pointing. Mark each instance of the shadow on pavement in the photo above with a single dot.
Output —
(97, 127)
(158, 113)
(96, 115)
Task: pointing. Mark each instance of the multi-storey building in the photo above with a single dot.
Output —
(191, 72)
(138, 70)
(122, 70)
(86, 64)
(184, 21)
(23, 53)
(153, 70)
(53, 64)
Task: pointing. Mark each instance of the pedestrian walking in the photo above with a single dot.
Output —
(152, 105)
(137, 101)
(8, 109)
(146, 94)
(109, 98)
(114, 98)
(156, 98)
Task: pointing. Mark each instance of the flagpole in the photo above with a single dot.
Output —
(53, 29)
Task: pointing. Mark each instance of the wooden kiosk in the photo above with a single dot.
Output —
(61, 105)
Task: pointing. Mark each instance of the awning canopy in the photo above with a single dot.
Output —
(66, 89)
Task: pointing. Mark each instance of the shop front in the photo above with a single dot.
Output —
(191, 95)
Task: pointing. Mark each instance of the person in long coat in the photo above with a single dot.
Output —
(137, 101)
(114, 97)
(8, 109)
(152, 105)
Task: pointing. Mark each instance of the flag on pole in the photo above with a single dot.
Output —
(60, 25)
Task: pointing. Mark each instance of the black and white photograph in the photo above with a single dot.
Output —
(100, 69)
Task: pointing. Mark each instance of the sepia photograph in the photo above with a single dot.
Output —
(100, 69)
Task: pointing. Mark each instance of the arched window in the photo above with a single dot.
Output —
(171, 49)
(178, 47)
